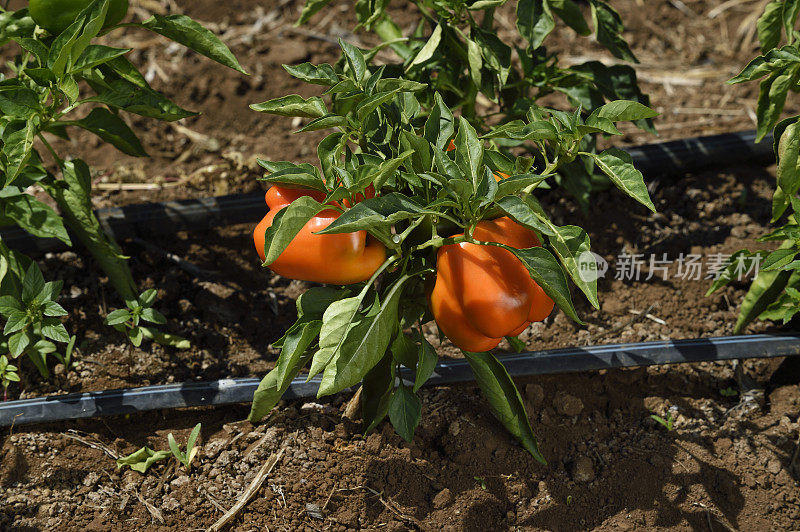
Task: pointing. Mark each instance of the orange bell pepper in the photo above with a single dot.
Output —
(343, 258)
(483, 293)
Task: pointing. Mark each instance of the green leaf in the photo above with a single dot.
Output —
(53, 309)
(338, 319)
(142, 459)
(17, 343)
(773, 61)
(426, 363)
(286, 224)
(405, 409)
(571, 244)
(291, 360)
(317, 74)
(426, 52)
(192, 35)
(766, 288)
(608, 29)
(112, 129)
(166, 339)
(293, 105)
(504, 399)
(16, 321)
(622, 110)
(193, 439)
(371, 103)
(496, 53)
(153, 316)
(96, 54)
(32, 283)
(772, 97)
(15, 24)
(324, 122)
(19, 102)
(475, 61)
(52, 328)
(375, 214)
(17, 146)
(439, 127)
(534, 21)
(355, 60)
(790, 10)
(571, 14)
(364, 344)
(769, 25)
(548, 274)
(148, 297)
(297, 176)
(141, 100)
(33, 216)
(173, 446)
(404, 350)
(526, 211)
(618, 166)
(311, 8)
(469, 152)
(117, 316)
(376, 392)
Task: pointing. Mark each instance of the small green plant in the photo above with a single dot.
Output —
(191, 451)
(32, 316)
(669, 421)
(127, 321)
(729, 392)
(8, 374)
(142, 459)
(146, 457)
(481, 482)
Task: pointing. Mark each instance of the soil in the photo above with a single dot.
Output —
(726, 465)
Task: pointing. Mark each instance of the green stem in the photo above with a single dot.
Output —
(379, 271)
(59, 161)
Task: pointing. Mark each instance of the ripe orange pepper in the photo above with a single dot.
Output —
(497, 175)
(483, 293)
(343, 258)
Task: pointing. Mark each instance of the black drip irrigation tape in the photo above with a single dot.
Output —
(230, 391)
(144, 220)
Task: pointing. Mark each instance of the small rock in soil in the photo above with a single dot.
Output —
(313, 510)
(442, 499)
(455, 428)
(583, 469)
(774, 466)
(568, 405)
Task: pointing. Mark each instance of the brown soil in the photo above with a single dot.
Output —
(610, 465)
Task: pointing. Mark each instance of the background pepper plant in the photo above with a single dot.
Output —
(775, 292)
(61, 79)
(456, 49)
(414, 179)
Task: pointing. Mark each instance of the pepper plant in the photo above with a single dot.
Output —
(775, 291)
(458, 52)
(60, 80)
(417, 182)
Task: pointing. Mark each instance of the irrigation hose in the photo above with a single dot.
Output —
(231, 391)
(146, 219)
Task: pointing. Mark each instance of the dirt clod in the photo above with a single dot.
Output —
(442, 499)
(583, 469)
(567, 405)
